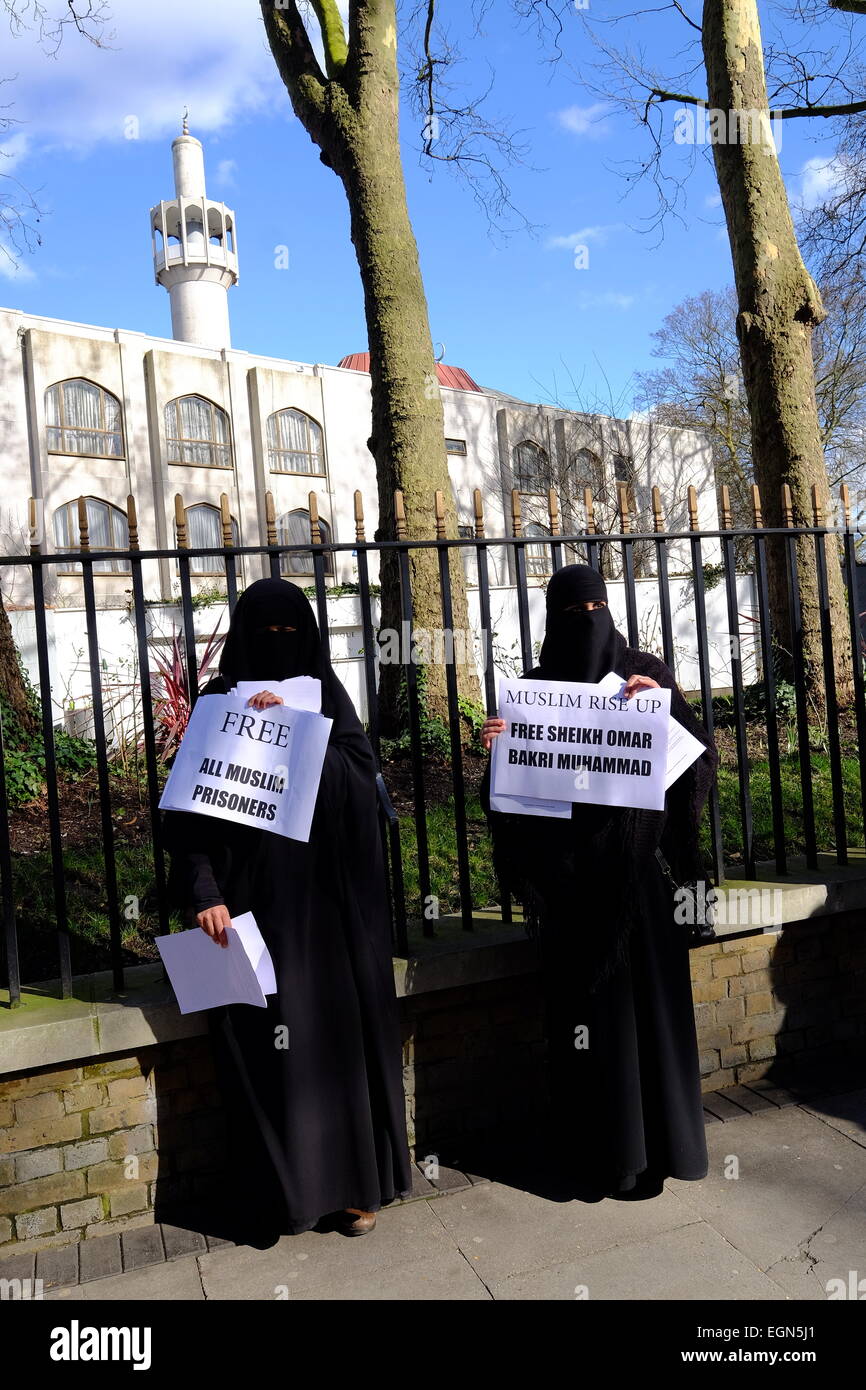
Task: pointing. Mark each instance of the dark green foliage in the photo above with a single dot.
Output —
(24, 753)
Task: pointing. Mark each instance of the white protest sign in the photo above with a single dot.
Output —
(256, 767)
(683, 750)
(298, 692)
(566, 741)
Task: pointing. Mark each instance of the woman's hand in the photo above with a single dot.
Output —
(636, 683)
(214, 921)
(265, 698)
(489, 730)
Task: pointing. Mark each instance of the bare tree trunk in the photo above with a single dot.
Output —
(352, 115)
(778, 307)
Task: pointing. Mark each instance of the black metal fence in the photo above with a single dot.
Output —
(734, 544)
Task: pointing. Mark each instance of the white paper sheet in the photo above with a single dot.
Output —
(298, 692)
(204, 974)
(683, 750)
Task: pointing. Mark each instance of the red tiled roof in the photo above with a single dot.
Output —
(455, 377)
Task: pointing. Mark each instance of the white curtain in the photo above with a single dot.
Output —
(538, 558)
(204, 531)
(196, 432)
(107, 529)
(294, 529)
(83, 419)
(294, 443)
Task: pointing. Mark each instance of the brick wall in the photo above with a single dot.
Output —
(87, 1149)
(473, 1059)
(762, 1001)
(100, 1146)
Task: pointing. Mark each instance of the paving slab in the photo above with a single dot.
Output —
(847, 1113)
(410, 1256)
(795, 1172)
(178, 1279)
(692, 1262)
(504, 1231)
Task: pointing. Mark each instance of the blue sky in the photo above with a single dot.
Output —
(516, 313)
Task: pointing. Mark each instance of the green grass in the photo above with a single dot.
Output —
(84, 878)
(792, 802)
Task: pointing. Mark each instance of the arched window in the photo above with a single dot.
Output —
(531, 467)
(204, 531)
(294, 443)
(538, 557)
(82, 418)
(197, 431)
(587, 470)
(107, 529)
(293, 528)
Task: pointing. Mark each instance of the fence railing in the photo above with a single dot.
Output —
(780, 770)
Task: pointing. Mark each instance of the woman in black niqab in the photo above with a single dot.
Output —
(312, 1083)
(627, 1104)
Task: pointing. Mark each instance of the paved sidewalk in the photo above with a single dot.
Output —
(793, 1219)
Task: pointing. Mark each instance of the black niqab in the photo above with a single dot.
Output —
(251, 652)
(579, 645)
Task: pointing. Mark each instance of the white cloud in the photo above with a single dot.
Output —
(598, 233)
(820, 177)
(713, 200)
(607, 299)
(209, 55)
(585, 120)
(13, 266)
(225, 172)
(12, 151)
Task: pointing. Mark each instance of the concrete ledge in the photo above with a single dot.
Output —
(45, 1030)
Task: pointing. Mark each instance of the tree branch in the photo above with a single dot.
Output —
(295, 59)
(787, 113)
(333, 35)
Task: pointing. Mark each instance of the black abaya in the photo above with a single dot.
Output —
(313, 1082)
(614, 960)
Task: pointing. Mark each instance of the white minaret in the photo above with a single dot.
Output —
(194, 250)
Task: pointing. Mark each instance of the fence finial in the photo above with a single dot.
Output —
(757, 513)
(83, 528)
(479, 513)
(553, 512)
(845, 498)
(226, 519)
(726, 507)
(399, 515)
(33, 519)
(516, 518)
(658, 514)
(359, 516)
(590, 511)
(693, 508)
(439, 513)
(817, 507)
(271, 519)
(315, 528)
(180, 521)
(132, 522)
(787, 506)
(624, 513)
